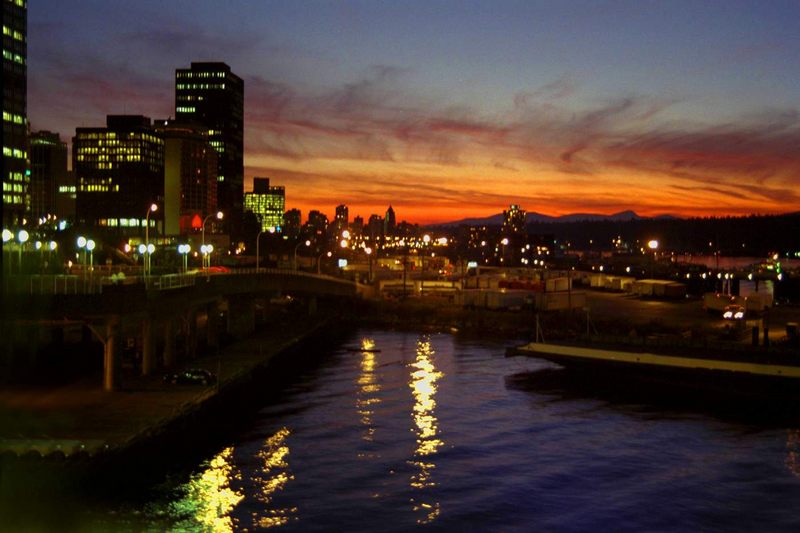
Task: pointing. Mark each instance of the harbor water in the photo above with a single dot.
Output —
(395, 431)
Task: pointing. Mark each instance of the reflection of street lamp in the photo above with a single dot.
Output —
(294, 261)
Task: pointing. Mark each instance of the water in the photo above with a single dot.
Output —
(437, 432)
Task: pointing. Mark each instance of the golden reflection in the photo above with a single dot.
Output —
(793, 451)
(368, 387)
(271, 478)
(209, 499)
(424, 377)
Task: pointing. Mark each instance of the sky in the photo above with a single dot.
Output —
(455, 109)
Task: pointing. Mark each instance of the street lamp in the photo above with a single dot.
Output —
(206, 250)
(90, 246)
(219, 216)
(258, 249)
(653, 245)
(152, 209)
(184, 250)
(22, 237)
(319, 259)
(307, 243)
(368, 251)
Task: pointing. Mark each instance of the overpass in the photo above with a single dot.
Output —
(156, 311)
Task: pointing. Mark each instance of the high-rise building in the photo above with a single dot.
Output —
(119, 172)
(48, 157)
(514, 220)
(16, 179)
(292, 222)
(267, 203)
(389, 222)
(342, 219)
(190, 176)
(375, 229)
(211, 95)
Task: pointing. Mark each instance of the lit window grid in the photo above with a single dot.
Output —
(268, 208)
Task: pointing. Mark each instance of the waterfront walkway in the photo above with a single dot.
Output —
(80, 418)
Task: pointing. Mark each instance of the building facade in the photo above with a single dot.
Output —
(16, 178)
(190, 176)
(213, 96)
(48, 160)
(119, 173)
(267, 203)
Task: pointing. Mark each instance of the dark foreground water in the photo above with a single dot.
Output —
(436, 432)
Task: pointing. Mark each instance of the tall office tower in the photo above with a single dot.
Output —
(267, 203)
(16, 180)
(514, 220)
(342, 217)
(211, 95)
(48, 156)
(375, 229)
(389, 222)
(190, 176)
(119, 172)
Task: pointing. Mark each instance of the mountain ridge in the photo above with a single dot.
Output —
(497, 219)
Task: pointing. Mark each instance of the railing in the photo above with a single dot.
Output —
(93, 282)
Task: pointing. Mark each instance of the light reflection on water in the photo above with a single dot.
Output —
(413, 430)
(208, 498)
(423, 386)
(272, 478)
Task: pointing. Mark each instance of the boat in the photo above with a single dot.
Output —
(757, 373)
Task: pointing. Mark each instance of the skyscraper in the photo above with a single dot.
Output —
(48, 156)
(342, 217)
(119, 172)
(267, 203)
(389, 222)
(16, 179)
(213, 96)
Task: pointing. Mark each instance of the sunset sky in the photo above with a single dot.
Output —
(449, 110)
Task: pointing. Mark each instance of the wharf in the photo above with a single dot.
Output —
(80, 420)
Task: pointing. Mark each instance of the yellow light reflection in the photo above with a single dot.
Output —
(271, 478)
(368, 387)
(424, 377)
(209, 499)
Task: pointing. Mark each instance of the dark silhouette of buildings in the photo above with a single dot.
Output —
(211, 95)
(16, 180)
(48, 157)
(119, 172)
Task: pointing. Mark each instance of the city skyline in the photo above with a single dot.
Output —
(459, 109)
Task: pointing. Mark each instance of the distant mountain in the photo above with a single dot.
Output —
(497, 220)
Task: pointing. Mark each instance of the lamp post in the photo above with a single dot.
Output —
(258, 249)
(90, 247)
(184, 250)
(219, 216)
(152, 209)
(294, 261)
(319, 259)
(22, 237)
(653, 245)
(206, 250)
(368, 251)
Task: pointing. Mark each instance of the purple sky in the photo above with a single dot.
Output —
(452, 109)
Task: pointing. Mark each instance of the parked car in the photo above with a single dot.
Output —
(733, 312)
(191, 376)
